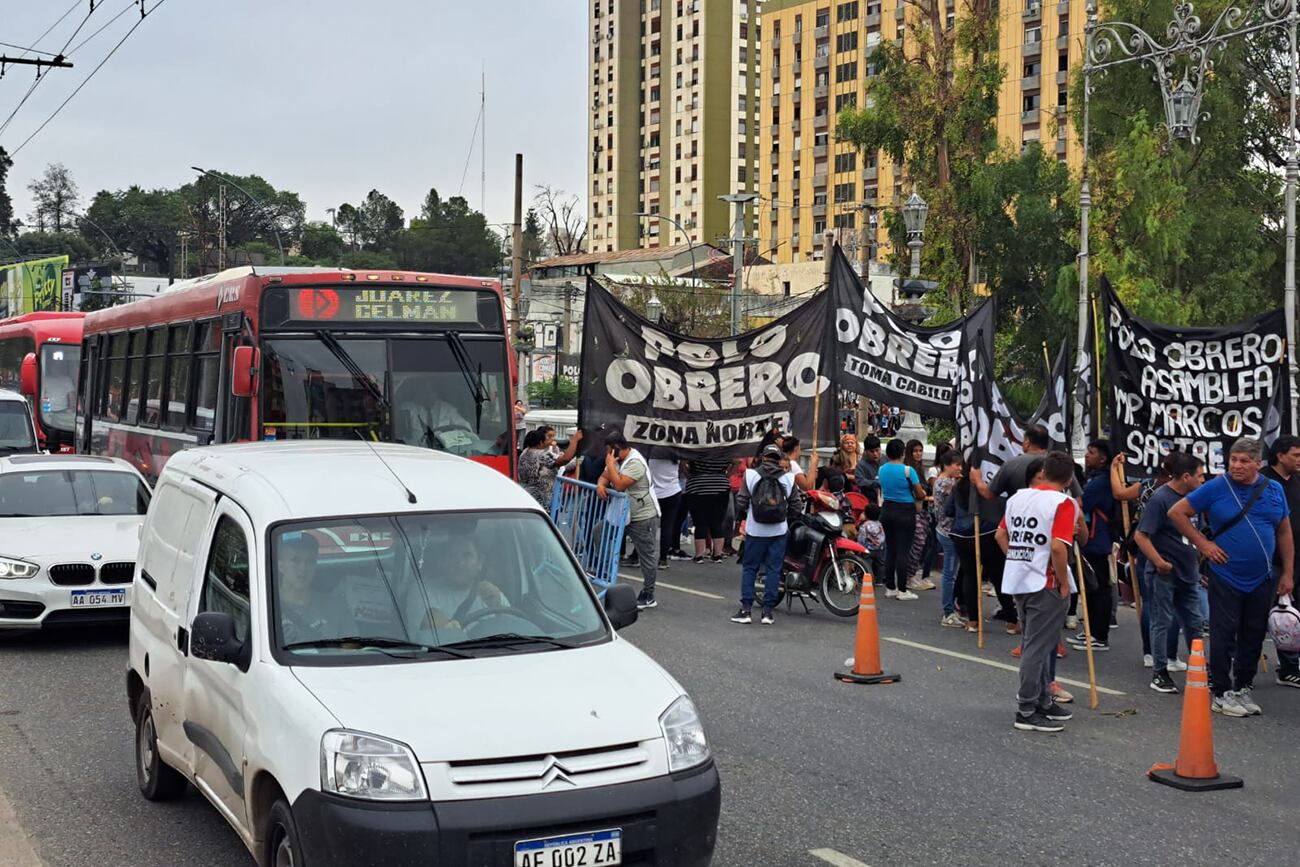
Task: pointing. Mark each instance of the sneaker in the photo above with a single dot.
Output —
(920, 584)
(1079, 637)
(742, 616)
(1162, 682)
(718, 558)
(1013, 629)
(1060, 650)
(1288, 678)
(1227, 705)
(988, 589)
(646, 600)
(1147, 660)
(1056, 713)
(906, 596)
(679, 554)
(1071, 622)
(767, 620)
(891, 594)
(1097, 646)
(699, 559)
(953, 619)
(1037, 722)
(1059, 693)
(1016, 651)
(1177, 665)
(1245, 699)
(663, 564)
(1114, 624)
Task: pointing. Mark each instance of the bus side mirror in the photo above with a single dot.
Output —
(243, 380)
(28, 381)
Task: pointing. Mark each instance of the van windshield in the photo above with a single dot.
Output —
(426, 586)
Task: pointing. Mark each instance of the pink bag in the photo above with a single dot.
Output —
(1284, 626)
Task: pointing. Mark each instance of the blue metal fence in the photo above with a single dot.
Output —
(592, 526)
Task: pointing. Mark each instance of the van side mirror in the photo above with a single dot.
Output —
(620, 605)
(243, 374)
(212, 637)
(27, 383)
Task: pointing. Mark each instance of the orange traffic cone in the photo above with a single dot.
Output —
(866, 655)
(1195, 770)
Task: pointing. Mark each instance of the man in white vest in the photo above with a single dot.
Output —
(627, 471)
(1036, 533)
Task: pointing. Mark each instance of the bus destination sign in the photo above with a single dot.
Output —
(384, 305)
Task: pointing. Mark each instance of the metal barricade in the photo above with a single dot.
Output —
(592, 526)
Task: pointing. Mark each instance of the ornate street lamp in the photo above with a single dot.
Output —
(654, 308)
(1180, 110)
(915, 210)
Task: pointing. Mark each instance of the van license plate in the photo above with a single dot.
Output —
(98, 598)
(596, 849)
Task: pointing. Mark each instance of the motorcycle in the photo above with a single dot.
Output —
(820, 561)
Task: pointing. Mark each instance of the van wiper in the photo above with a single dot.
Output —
(377, 643)
(474, 381)
(504, 638)
(350, 365)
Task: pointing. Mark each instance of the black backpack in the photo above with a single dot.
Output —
(769, 500)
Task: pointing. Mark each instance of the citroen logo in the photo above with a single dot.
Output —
(97, 556)
(556, 774)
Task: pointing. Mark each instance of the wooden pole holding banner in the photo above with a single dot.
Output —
(979, 585)
(1087, 627)
(828, 251)
(1096, 360)
(1047, 362)
(1132, 564)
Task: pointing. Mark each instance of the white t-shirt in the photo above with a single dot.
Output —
(756, 529)
(665, 478)
(1033, 519)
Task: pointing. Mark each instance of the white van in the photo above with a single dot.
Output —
(565, 422)
(384, 655)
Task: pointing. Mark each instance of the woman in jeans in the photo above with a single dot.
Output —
(901, 487)
(961, 533)
(944, 483)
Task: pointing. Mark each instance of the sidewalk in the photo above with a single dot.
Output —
(15, 848)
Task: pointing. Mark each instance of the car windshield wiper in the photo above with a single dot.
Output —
(376, 642)
(474, 381)
(350, 364)
(503, 638)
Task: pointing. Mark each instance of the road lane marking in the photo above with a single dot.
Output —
(989, 662)
(659, 584)
(839, 859)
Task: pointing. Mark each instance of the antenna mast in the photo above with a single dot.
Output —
(482, 148)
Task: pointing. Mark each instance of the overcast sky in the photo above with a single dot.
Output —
(329, 98)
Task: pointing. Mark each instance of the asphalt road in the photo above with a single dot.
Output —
(926, 771)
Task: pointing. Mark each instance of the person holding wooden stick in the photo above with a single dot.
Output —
(1098, 505)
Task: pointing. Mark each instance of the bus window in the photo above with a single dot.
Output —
(205, 397)
(153, 377)
(178, 376)
(134, 373)
(433, 405)
(111, 399)
(308, 392)
(12, 352)
(58, 398)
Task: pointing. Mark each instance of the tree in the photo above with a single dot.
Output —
(563, 219)
(374, 224)
(321, 243)
(533, 237)
(55, 198)
(140, 221)
(449, 237)
(558, 392)
(7, 224)
(71, 244)
(688, 307)
(255, 211)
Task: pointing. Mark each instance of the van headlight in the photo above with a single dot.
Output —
(366, 766)
(684, 735)
(17, 568)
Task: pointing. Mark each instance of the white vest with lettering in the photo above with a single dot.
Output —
(1029, 518)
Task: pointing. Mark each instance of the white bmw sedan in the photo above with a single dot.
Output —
(69, 530)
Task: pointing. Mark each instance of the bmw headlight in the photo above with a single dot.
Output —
(17, 568)
(369, 767)
(684, 735)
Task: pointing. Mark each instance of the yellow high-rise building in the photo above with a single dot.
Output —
(816, 60)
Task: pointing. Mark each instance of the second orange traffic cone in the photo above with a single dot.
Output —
(1195, 769)
(866, 654)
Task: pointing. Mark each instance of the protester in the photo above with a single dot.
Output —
(990, 507)
(627, 471)
(665, 480)
(521, 426)
(1284, 468)
(944, 484)
(871, 535)
(1098, 506)
(793, 451)
(539, 464)
(901, 487)
(768, 496)
(1171, 566)
(1138, 495)
(921, 537)
(845, 460)
(1247, 517)
(708, 488)
(865, 474)
(962, 534)
(1036, 535)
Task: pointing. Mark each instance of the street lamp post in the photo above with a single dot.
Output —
(912, 291)
(680, 228)
(1180, 65)
(915, 211)
(654, 308)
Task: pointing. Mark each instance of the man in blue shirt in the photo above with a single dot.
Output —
(1248, 519)
(1098, 504)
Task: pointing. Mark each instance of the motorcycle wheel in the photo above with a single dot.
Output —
(840, 583)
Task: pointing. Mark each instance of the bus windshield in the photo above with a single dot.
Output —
(58, 404)
(438, 392)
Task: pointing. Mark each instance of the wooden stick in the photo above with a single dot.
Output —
(1096, 359)
(1093, 701)
(817, 409)
(1047, 360)
(979, 582)
(1132, 563)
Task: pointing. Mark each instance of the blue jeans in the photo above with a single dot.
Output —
(1175, 603)
(949, 584)
(1148, 620)
(768, 552)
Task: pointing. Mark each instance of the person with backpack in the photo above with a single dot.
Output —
(1247, 523)
(1098, 506)
(768, 496)
(627, 471)
(1284, 468)
(900, 485)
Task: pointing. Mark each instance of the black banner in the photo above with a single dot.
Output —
(892, 361)
(1192, 389)
(681, 397)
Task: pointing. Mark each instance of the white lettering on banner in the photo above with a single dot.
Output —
(630, 381)
(701, 356)
(616, 381)
(703, 434)
(668, 389)
(864, 369)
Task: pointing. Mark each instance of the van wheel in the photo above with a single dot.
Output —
(158, 781)
(281, 838)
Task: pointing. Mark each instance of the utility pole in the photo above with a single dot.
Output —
(516, 268)
(867, 255)
(738, 240)
(221, 228)
(57, 62)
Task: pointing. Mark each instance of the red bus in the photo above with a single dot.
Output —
(300, 353)
(40, 355)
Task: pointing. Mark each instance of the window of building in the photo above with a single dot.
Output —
(1062, 97)
(1063, 60)
(741, 175)
(846, 72)
(845, 193)
(1030, 102)
(845, 221)
(846, 11)
(823, 17)
(1033, 35)
(847, 41)
(845, 100)
(846, 162)
(1032, 68)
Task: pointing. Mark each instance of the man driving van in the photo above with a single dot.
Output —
(456, 588)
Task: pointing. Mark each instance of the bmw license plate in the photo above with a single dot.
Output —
(98, 598)
(596, 849)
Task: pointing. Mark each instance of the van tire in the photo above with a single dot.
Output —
(280, 838)
(158, 781)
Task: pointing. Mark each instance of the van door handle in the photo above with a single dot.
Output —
(183, 640)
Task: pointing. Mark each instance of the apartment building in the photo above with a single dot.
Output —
(816, 61)
(673, 119)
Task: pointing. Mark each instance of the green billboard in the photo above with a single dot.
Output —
(32, 285)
